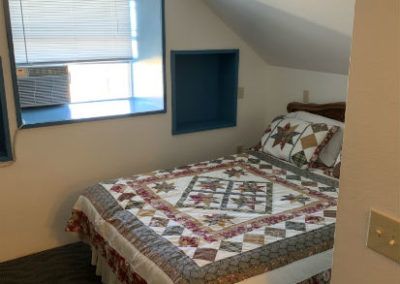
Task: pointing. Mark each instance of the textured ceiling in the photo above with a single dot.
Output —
(304, 34)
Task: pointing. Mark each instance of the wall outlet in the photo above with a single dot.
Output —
(384, 235)
(306, 96)
(239, 149)
(241, 93)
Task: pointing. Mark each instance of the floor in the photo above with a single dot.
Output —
(70, 265)
(66, 265)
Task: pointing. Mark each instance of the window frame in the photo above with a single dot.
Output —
(6, 155)
(19, 110)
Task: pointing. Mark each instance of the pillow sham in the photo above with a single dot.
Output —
(296, 141)
(331, 151)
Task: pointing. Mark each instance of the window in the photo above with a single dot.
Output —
(5, 147)
(78, 60)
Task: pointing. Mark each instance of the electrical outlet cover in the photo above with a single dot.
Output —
(384, 235)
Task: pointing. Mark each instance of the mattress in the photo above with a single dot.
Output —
(239, 218)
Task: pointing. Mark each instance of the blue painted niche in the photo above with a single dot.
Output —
(204, 89)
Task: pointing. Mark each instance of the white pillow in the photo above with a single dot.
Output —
(297, 141)
(331, 151)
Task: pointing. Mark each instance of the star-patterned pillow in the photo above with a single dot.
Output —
(296, 141)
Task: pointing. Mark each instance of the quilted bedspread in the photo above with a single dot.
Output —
(220, 221)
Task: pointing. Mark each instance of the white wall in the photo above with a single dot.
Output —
(371, 157)
(287, 85)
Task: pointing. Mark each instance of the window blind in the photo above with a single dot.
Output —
(62, 31)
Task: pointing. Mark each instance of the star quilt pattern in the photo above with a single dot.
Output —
(297, 141)
(236, 211)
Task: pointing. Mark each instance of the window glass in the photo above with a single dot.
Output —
(73, 51)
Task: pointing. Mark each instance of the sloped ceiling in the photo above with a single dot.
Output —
(303, 34)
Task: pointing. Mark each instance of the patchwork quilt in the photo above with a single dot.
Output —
(220, 221)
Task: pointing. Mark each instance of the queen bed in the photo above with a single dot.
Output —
(254, 217)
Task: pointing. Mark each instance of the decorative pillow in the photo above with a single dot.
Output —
(296, 141)
(332, 150)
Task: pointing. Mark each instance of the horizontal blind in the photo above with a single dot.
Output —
(48, 31)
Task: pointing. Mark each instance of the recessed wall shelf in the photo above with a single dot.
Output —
(204, 89)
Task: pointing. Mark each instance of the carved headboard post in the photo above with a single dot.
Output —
(333, 110)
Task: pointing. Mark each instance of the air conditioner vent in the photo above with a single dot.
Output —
(43, 86)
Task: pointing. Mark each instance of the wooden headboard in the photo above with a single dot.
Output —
(334, 110)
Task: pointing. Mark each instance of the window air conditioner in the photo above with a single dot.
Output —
(43, 86)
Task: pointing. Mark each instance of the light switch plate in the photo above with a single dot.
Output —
(384, 235)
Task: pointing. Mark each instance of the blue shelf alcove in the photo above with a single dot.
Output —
(204, 89)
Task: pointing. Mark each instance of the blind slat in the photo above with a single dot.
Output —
(71, 30)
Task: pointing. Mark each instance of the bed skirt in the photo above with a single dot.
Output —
(102, 269)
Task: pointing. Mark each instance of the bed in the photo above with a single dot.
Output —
(245, 218)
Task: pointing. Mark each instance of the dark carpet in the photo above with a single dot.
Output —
(65, 265)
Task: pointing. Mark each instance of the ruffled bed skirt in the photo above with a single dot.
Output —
(102, 269)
